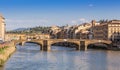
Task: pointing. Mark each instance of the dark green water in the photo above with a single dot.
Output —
(29, 57)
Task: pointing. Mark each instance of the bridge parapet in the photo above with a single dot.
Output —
(98, 41)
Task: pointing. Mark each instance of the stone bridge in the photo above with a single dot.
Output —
(45, 44)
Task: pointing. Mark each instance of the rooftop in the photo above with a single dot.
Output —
(115, 21)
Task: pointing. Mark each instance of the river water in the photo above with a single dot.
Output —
(29, 57)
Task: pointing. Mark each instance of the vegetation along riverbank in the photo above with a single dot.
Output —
(6, 50)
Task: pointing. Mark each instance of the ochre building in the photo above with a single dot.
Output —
(107, 31)
(2, 28)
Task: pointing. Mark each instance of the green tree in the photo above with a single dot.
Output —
(103, 21)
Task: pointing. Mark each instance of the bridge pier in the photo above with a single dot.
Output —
(22, 43)
(83, 46)
(46, 46)
(78, 48)
(41, 47)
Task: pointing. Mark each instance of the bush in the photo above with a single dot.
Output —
(2, 49)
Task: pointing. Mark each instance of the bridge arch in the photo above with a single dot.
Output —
(69, 43)
(38, 43)
(98, 46)
(104, 44)
(66, 44)
(35, 42)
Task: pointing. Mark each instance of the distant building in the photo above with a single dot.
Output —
(114, 30)
(83, 31)
(100, 31)
(2, 28)
(107, 31)
(54, 30)
(12, 36)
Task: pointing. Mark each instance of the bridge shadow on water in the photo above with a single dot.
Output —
(32, 47)
(98, 46)
(64, 46)
(28, 47)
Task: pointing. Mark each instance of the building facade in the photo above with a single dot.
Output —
(107, 31)
(53, 31)
(114, 30)
(2, 28)
(10, 36)
(100, 32)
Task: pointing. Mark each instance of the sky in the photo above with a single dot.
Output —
(31, 13)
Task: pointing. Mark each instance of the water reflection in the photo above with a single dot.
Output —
(30, 57)
(113, 62)
(97, 60)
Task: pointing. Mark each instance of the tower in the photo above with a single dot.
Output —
(93, 23)
(92, 29)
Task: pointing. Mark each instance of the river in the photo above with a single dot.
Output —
(29, 57)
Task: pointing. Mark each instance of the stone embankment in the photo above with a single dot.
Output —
(6, 49)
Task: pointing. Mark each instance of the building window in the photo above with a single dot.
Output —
(112, 25)
(109, 24)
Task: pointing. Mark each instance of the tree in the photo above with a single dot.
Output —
(103, 21)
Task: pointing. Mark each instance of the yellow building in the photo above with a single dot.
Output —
(100, 32)
(12, 36)
(2, 28)
(38, 36)
(83, 31)
(107, 31)
(114, 30)
(54, 30)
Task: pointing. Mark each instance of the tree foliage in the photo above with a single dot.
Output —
(38, 29)
(103, 21)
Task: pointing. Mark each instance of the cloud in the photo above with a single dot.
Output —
(90, 5)
(74, 21)
(81, 20)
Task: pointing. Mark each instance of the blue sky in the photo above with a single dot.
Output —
(30, 13)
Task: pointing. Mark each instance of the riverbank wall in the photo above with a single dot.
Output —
(6, 50)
